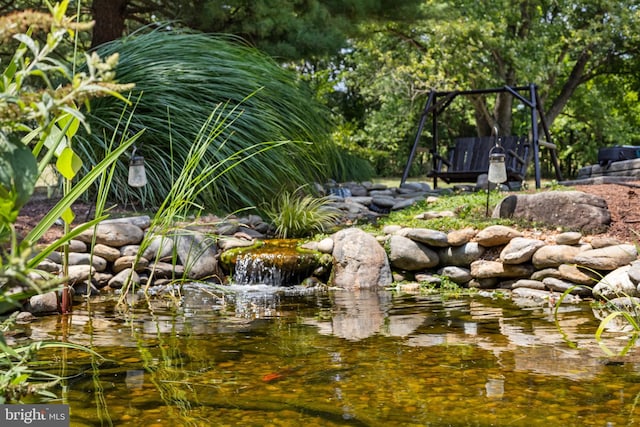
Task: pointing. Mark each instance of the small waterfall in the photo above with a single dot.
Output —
(276, 263)
(253, 270)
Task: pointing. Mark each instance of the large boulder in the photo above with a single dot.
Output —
(359, 261)
(576, 210)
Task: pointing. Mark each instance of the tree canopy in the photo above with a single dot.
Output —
(573, 52)
(374, 64)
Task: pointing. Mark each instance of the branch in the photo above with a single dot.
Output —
(407, 38)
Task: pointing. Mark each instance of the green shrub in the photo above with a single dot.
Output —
(299, 215)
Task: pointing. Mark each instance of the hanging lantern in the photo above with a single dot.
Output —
(497, 167)
(137, 174)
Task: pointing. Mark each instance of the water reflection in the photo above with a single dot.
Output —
(264, 355)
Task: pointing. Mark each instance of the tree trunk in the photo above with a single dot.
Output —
(109, 16)
(576, 78)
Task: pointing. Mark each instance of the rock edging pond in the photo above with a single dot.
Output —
(127, 252)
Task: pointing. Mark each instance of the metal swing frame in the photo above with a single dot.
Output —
(438, 101)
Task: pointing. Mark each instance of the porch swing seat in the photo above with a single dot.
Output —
(468, 158)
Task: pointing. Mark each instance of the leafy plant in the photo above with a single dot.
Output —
(297, 215)
(38, 119)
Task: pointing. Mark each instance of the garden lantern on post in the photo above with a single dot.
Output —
(497, 168)
(137, 174)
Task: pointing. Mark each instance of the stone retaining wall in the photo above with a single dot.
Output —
(495, 257)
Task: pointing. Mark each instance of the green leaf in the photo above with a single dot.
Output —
(68, 216)
(18, 173)
(55, 140)
(68, 164)
(74, 124)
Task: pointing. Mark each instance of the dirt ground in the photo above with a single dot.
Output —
(623, 202)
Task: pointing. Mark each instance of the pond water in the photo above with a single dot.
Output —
(267, 357)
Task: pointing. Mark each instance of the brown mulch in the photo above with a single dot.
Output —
(623, 202)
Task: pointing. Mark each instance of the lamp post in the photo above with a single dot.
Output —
(497, 169)
(137, 174)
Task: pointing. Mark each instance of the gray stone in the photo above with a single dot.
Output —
(124, 278)
(99, 263)
(542, 297)
(462, 236)
(428, 278)
(141, 221)
(572, 209)
(384, 202)
(79, 273)
(598, 242)
(25, 317)
(107, 252)
(43, 303)
(404, 203)
(158, 247)
(85, 289)
(129, 250)
(484, 283)
(546, 272)
(496, 235)
(562, 286)
(226, 243)
(100, 280)
(165, 270)
(74, 246)
(426, 236)
(554, 255)
(407, 254)
(461, 256)
(391, 229)
(615, 284)
(483, 269)
(457, 275)
(49, 266)
(539, 296)
(435, 214)
(607, 258)
(228, 228)
(114, 234)
(360, 262)
(362, 200)
(568, 238)
(197, 253)
(634, 273)
(130, 261)
(325, 246)
(573, 273)
(520, 250)
(529, 284)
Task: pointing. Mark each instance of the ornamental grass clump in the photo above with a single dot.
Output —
(180, 78)
(295, 214)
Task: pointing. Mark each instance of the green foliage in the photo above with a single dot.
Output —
(470, 211)
(16, 368)
(180, 79)
(38, 120)
(577, 55)
(300, 215)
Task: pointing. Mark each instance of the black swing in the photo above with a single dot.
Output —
(468, 158)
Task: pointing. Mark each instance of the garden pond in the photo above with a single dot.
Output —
(268, 356)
